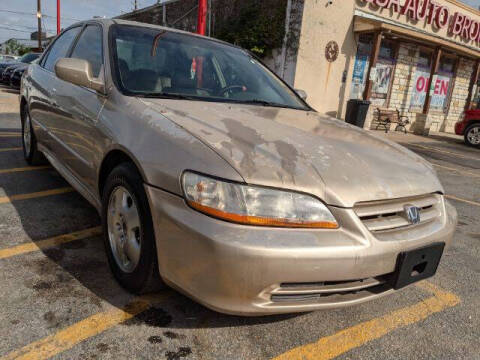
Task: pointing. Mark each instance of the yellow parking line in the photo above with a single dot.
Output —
(443, 151)
(9, 134)
(46, 243)
(11, 149)
(462, 200)
(8, 199)
(469, 173)
(67, 338)
(21, 169)
(345, 340)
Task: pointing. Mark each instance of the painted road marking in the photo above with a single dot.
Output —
(11, 149)
(21, 169)
(443, 151)
(462, 200)
(9, 199)
(325, 348)
(69, 337)
(353, 337)
(11, 134)
(469, 173)
(46, 243)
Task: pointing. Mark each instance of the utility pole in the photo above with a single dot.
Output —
(39, 18)
(202, 17)
(136, 5)
(58, 17)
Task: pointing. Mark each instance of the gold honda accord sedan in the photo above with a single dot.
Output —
(216, 178)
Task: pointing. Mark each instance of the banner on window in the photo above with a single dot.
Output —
(358, 78)
(419, 92)
(439, 92)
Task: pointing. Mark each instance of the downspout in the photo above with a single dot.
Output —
(283, 58)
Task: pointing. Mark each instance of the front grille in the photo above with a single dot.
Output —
(387, 215)
(331, 291)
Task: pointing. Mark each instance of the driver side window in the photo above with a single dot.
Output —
(60, 48)
(89, 47)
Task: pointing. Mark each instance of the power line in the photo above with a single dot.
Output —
(29, 14)
(20, 26)
(12, 29)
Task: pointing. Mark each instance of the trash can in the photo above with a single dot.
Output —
(357, 112)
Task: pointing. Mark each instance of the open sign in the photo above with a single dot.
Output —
(439, 85)
(438, 90)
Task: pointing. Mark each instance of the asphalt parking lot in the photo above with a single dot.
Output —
(58, 298)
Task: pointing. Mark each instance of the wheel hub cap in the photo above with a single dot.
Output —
(474, 135)
(124, 229)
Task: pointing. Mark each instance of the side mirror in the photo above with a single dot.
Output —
(302, 94)
(78, 72)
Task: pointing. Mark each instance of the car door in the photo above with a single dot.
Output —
(78, 109)
(41, 86)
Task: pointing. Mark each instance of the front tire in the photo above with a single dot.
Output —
(472, 135)
(29, 142)
(128, 231)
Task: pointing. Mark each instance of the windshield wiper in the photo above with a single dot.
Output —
(265, 103)
(162, 95)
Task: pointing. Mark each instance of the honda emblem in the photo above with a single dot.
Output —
(413, 214)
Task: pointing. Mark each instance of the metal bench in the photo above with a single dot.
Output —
(385, 117)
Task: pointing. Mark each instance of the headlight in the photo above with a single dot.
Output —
(255, 205)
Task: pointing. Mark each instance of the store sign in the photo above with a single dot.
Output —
(436, 15)
(438, 90)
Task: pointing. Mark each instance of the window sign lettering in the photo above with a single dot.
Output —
(440, 86)
(438, 91)
(420, 85)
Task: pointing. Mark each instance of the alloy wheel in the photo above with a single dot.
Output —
(473, 135)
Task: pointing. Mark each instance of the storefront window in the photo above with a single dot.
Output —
(441, 84)
(476, 95)
(383, 73)
(420, 81)
(362, 59)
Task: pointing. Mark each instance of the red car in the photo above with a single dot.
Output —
(469, 127)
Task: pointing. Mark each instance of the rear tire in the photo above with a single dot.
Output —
(128, 231)
(29, 142)
(472, 135)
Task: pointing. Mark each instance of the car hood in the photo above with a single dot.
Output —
(303, 151)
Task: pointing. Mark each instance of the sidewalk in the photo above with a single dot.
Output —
(434, 137)
(9, 108)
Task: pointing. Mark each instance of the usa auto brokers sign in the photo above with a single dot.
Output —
(436, 15)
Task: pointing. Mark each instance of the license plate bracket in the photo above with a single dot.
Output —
(417, 264)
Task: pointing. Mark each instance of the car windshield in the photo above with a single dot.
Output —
(28, 58)
(158, 63)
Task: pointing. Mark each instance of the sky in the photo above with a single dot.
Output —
(18, 17)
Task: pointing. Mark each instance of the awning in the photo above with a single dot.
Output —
(366, 22)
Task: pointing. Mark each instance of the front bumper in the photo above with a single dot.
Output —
(247, 270)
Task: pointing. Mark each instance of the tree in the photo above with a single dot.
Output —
(14, 47)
